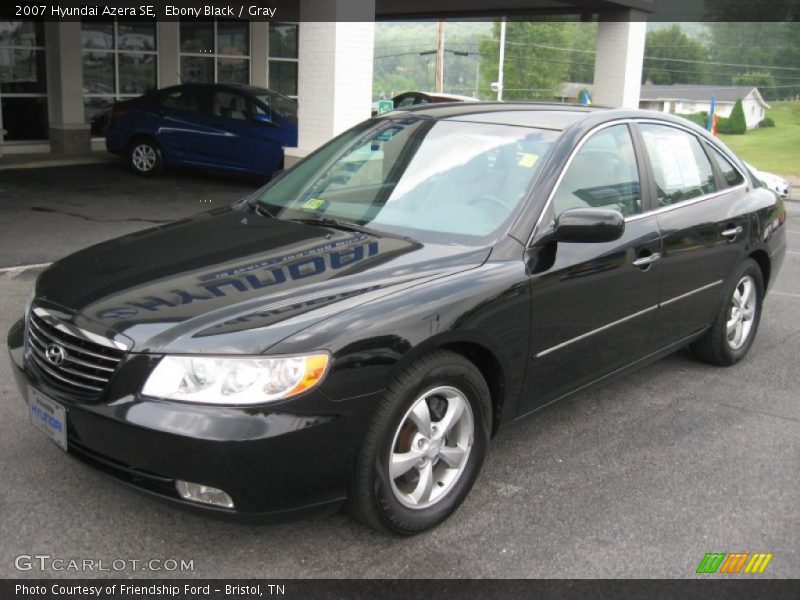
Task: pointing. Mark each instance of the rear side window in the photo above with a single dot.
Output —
(730, 173)
(183, 100)
(681, 168)
(603, 174)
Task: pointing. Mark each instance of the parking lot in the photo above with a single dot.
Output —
(639, 478)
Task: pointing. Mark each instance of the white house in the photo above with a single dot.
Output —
(686, 99)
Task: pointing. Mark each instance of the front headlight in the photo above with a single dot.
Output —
(234, 381)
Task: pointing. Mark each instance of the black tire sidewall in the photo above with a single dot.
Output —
(397, 517)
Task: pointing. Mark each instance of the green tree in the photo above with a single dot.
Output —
(759, 79)
(769, 47)
(535, 62)
(736, 122)
(673, 57)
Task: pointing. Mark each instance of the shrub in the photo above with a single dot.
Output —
(736, 122)
(700, 118)
(767, 122)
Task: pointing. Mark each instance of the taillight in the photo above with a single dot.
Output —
(118, 111)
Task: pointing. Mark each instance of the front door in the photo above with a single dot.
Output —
(593, 307)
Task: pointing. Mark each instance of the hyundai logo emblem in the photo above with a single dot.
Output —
(55, 354)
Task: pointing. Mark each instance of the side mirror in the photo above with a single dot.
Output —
(589, 225)
(262, 118)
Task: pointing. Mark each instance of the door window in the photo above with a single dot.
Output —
(182, 100)
(603, 174)
(730, 174)
(231, 106)
(681, 168)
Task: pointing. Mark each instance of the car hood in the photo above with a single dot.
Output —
(233, 281)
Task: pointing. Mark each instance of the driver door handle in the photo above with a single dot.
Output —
(647, 260)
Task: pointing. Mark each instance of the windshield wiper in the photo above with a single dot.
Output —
(260, 210)
(348, 226)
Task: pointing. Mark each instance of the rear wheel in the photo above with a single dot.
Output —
(425, 446)
(145, 158)
(735, 325)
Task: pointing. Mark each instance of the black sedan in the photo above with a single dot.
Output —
(356, 331)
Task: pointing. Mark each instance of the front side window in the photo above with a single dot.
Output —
(602, 174)
(438, 181)
(680, 166)
(232, 106)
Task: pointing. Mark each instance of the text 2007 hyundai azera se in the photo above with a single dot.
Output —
(356, 331)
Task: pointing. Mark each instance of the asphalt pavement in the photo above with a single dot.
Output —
(639, 478)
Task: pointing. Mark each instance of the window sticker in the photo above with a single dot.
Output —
(677, 162)
(314, 203)
(528, 160)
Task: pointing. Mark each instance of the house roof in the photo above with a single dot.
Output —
(701, 93)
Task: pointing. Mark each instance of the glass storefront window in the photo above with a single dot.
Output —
(22, 71)
(197, 37)
(215, 52)
(23, 82)
(233, 38)
(24, 119)
(283, 77)
(282, 40)
(197, 69)
(137, 73)
(98, 73)
(137, 37)
(120, 61)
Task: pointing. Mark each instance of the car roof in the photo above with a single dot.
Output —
(556, 116)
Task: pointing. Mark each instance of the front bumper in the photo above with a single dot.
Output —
(291, 458)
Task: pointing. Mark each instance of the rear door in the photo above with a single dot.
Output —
(703, 223)
(593, 305)
(245, 143)
(184, 123)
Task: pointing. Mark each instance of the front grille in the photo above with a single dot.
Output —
(86, 366)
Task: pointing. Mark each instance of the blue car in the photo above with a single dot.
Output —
(236, 128)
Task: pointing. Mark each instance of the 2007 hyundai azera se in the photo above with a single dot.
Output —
(353, 333)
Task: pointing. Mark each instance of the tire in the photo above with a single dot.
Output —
(449, 463)
(723, 345)
(145, 158)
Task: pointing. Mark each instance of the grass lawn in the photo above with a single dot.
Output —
(774, 149)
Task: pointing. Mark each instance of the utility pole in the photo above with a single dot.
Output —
(502, 59)
(439, 85)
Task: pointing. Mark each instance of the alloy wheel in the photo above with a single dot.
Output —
(741, 312)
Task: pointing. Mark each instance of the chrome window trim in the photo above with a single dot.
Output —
(626, 318)
(655, 211)
(688, 202)
(54, 321)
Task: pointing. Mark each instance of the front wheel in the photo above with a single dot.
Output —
(425, 447)
(736, 322)
(145, 158)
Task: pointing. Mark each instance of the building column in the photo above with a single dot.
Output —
(335, 71)
(259, 52)
(169, 65)
(69, 132)
(618, 62)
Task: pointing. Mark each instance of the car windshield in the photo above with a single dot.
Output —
(279, 104)
(443, 181)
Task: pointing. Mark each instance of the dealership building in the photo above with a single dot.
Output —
(57, 77)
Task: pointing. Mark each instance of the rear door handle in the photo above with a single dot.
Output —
(648, 260)
(732, 232)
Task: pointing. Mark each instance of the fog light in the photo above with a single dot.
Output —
(196, 492)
